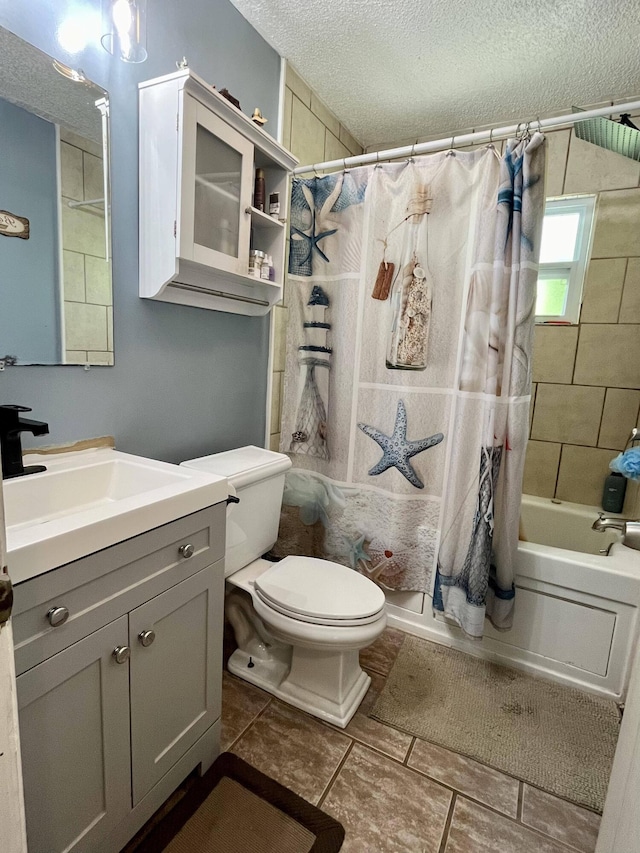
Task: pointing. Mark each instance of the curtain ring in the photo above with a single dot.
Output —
(539, 124)
(315, 171)
(377, 166)
(413, 151)
(344, 166)
(451, 152)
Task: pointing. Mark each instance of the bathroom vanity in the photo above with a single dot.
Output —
(118, 652)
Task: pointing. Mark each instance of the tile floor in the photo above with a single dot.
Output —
(394, 793)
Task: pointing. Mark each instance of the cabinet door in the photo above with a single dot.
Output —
(74, 733)
(217, 183)
(176, 678)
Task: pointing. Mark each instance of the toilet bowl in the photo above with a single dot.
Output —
(300, 622)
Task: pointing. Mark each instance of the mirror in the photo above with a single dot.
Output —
(55, 269)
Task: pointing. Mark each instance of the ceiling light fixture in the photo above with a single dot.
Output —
(125, 27)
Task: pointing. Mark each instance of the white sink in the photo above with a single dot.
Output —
(89, 500)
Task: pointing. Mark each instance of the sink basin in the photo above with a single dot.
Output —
(89, 500)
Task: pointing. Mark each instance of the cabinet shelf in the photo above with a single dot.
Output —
(259, 219)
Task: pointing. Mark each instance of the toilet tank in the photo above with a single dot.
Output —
(257, 477)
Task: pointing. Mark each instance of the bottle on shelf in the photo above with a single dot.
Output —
(259, 190)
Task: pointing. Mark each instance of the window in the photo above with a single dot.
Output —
(564, 253)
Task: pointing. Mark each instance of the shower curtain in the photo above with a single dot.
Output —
(411, 298)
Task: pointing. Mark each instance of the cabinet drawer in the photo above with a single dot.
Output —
(109, 583)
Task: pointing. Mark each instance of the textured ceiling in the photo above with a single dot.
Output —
(397, 70)
(30, 81)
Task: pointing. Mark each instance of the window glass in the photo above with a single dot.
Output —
(559, 237)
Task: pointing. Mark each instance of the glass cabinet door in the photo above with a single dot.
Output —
(217, 186)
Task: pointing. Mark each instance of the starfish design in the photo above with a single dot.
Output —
(357, 552)
(396, 450)
(313, 239)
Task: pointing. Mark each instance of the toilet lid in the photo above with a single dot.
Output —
(319, 589)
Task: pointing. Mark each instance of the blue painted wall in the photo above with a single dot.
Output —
(186, 381)
(29, 299)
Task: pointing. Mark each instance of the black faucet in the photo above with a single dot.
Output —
(11, 425)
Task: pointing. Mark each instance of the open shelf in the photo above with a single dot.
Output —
(259, 219)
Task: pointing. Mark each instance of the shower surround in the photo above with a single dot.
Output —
(406, 416)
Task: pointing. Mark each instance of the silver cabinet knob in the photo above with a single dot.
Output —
(146, 637)
(121, 654)
(57, 616)
(186, 551)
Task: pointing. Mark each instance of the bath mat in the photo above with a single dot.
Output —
(235, 808)
(557, 738)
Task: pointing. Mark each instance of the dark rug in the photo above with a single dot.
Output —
(235, 808)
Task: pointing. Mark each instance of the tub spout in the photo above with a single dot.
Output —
(602, 523)
(629, 528)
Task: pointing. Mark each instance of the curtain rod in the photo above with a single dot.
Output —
(467, 138)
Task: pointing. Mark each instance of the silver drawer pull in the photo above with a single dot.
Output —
(57, 616)
(146, 637)
(122, 654)
(186, 551)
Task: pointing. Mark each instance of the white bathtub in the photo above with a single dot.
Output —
(576, 615)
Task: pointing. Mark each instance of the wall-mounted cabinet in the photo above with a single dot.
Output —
(198, 156)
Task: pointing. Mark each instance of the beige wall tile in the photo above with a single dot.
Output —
(617, 218)
(102, 358)
(541, 469)
(557, 150)
(73, 275)
(280, 338)
(532, 404)
(274, 442)
(307, 134)
(297, 85)
(80, 142)
(71, 171)
(85, 326)
(286, 118)
(276, 399)
(591, 169)
(630, 303)
(603, 290)
(554, 352)
(75, 357)
(619, 416)
(608, 355)
(567, 413)
(98, 280)
(324, 114)
(582, 474)
(82, 231)
(110, 328)
(333, 148)
(350, 141)
(93, 176)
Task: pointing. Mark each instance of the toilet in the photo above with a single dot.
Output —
(299, 623)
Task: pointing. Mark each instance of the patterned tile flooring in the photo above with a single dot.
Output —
(394, 793)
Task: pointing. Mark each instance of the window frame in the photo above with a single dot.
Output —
(575, 270)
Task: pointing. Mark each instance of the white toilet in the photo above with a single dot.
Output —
(299, 623)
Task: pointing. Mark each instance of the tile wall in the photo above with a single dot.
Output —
(88, 306)
(313, 134)
(586, 378)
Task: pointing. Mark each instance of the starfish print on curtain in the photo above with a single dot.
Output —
(396, 450)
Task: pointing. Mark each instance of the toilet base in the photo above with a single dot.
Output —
(328, 685)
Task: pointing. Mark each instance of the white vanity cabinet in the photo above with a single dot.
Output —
(198, 156)
(120, 699)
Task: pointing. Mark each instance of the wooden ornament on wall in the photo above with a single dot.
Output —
(13, 226)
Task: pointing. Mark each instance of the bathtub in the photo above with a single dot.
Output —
(576, 617)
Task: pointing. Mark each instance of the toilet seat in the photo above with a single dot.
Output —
(319, 592)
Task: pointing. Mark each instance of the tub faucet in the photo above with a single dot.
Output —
(630, 529)
(11, 425)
